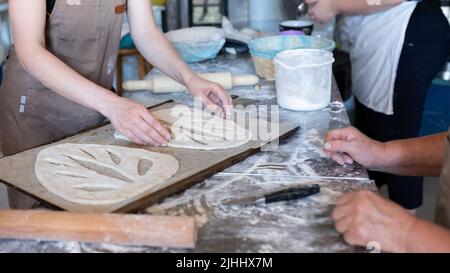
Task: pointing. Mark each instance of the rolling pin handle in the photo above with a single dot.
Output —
(137, 85)
(245, 80)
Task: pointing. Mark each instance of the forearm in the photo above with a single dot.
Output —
(414, 157)
(355, 7)
(28, 27)
(427, 237)
(62, 79)
(153, 45)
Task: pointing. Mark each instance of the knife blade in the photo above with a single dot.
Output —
(290, 194)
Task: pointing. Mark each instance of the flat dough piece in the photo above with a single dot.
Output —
(100, 174)
(198, 130)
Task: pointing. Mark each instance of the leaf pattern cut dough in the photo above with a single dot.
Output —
(102, 175)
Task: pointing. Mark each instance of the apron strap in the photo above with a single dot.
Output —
(118, 9)
(50, 6)
(121, 8)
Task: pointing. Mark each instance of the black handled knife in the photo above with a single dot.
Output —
(290, 194)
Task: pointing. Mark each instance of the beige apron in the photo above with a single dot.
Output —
(84, 34)
(443, 199)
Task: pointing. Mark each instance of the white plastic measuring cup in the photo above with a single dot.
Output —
(303, 79)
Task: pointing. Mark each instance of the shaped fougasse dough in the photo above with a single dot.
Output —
(102, 175)
(198, 130)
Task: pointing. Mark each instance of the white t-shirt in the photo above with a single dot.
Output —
(376, 45)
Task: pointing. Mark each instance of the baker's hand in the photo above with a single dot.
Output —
(321, 11)
(365, 217)
(348, 145)
(213, 96)
(136, 123)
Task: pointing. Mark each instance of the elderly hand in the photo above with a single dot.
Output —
(347, 145)
(213, 95)
(365, 217)
(321, 11)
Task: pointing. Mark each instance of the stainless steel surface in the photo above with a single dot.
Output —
(184, 13)
(172, 15)
(177, 15)
(266, 15)
(281, 176)
(288, 8)
(302, 226)
(238, 13)
(207, 12)
(187, 13)
(302, 9)
(262, 14)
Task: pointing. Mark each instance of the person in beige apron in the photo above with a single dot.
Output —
(366, 219)
(60, 70)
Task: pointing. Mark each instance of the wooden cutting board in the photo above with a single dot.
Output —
(195, 166)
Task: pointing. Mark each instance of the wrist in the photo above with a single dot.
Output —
(406, 242)
(188, 76)
(380, 152)
(107, 103)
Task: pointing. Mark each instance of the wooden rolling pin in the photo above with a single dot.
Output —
(164, 84)
(142, 230)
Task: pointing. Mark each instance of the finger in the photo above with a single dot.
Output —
(218, 101)
(349, 238)
(133, 137)
(333, 154)
(342, 211)
(139, 134)
(223, 95)
(149, 134)
(342, 225)
(338, 134)
(211, 106)
(159, 130)
(332, 135)
(348, 159)
(338, 158)
(339, 146)
(146, 137)
(329, 154)
(217, 104)
(226, 101)
(345, 199)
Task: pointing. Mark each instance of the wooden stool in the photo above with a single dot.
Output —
(143, 66)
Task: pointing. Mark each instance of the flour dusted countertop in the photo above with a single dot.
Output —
(301, 226)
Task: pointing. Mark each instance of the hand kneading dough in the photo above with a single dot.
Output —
(102, 175)
(198, 130)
